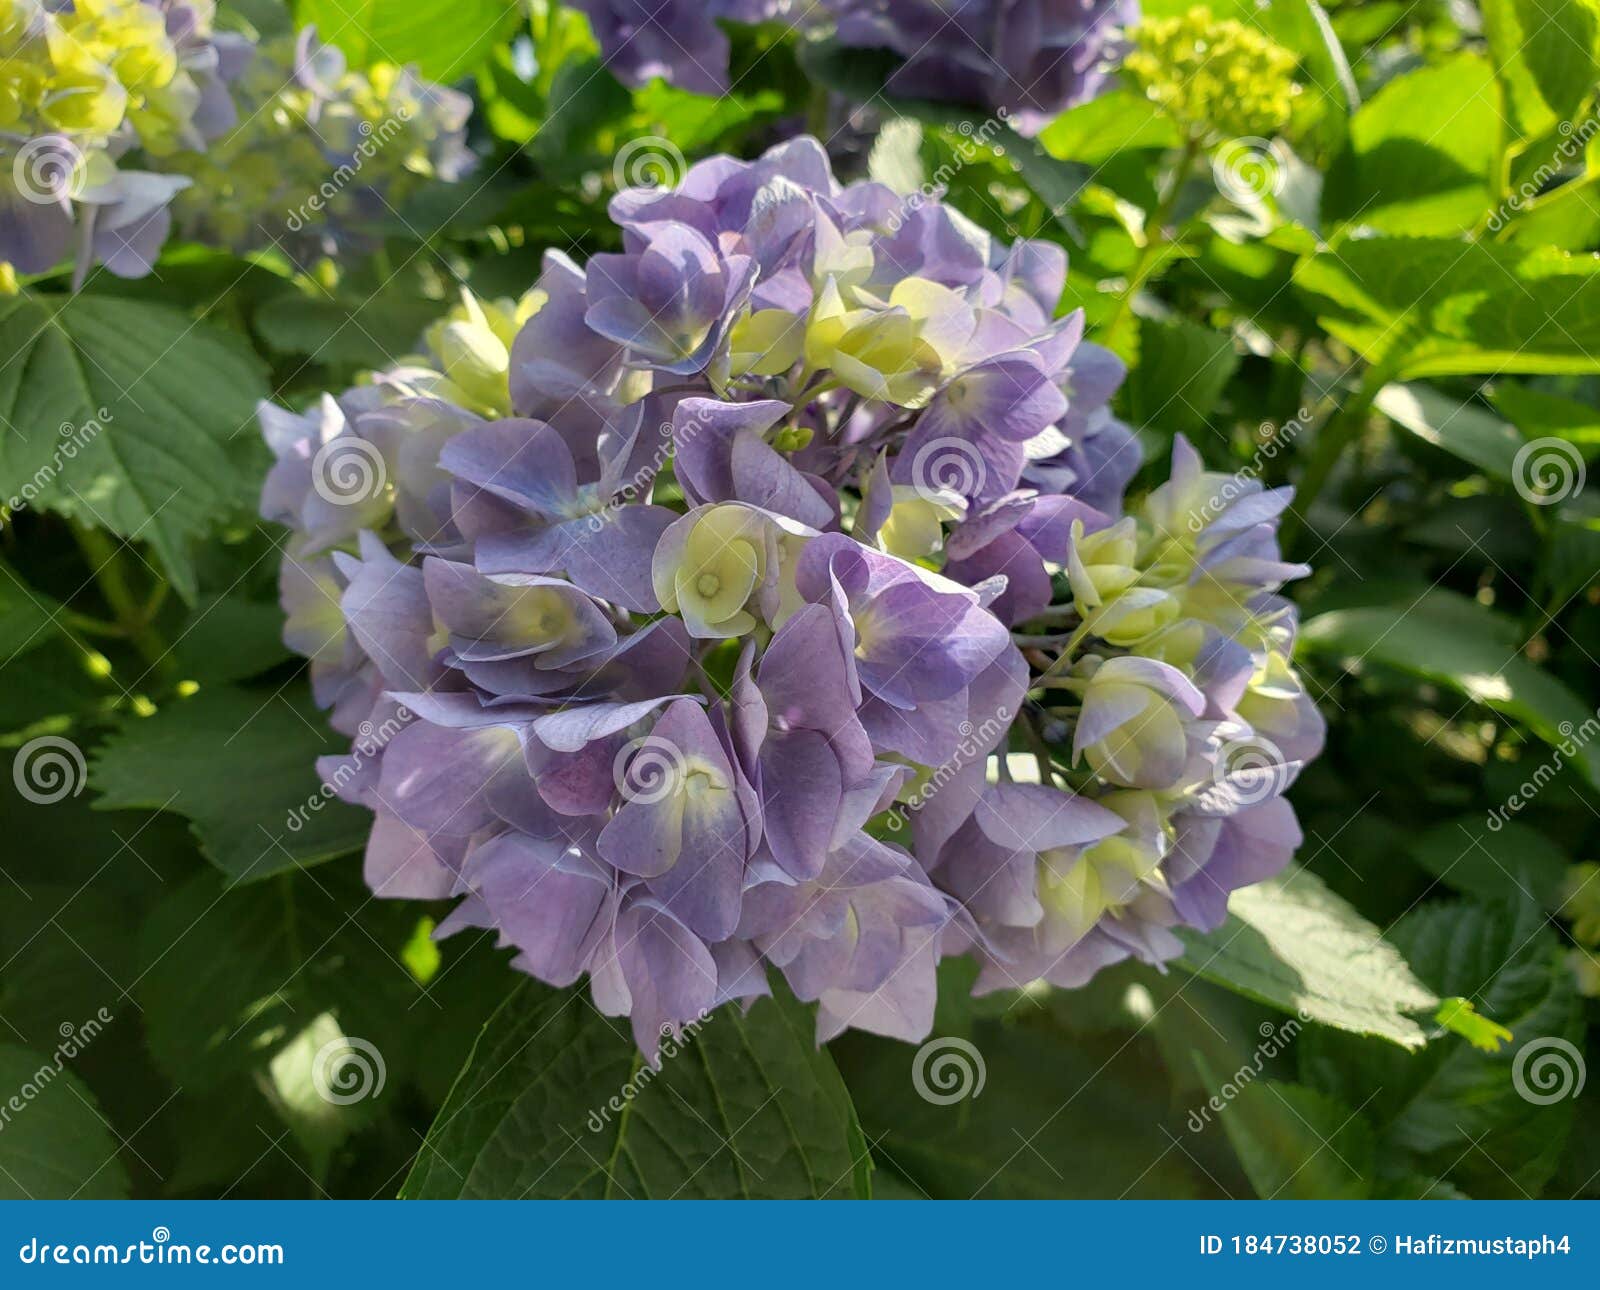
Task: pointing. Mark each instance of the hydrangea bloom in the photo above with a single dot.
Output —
(1033, 59)
(321, 151)
(716, 646)
(82, 86)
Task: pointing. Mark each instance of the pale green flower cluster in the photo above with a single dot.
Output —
(1216, 77)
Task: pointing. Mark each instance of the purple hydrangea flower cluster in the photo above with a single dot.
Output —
(677, 40)
(722, 651)
(1031, 59)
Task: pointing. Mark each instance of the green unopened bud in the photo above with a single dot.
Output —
(793, 438)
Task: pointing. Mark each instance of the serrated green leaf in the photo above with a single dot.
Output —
(57, 1146)
(241, 766)
(1182, 370)
(128, 416)
(556, 1101)
(1291, 943)
(1454, 1110)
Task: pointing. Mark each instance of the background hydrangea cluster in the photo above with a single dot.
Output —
(1028, 59)
(322, 153)
(115, 114)
(83, 86)
(684, 630)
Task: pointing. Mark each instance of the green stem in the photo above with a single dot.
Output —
(817, 112)
(1041, 751)
(1156, 239)
(1337, 433)
(104, 558)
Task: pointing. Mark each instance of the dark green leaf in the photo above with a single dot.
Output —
(57, 1146)
(241, 765)
(1465, 647)
(556, 1101)
(1455, 1110)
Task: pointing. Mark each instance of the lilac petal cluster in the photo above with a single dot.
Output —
(677, 41)
(1030, 60)
(98, 100)
(712, 645)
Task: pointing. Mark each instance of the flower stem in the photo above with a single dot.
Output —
(105, 561)
(1156, 239)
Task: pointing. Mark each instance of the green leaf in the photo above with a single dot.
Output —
(1055, 1116)
(228, 638)
(446, 39)
(1291, 943)
(556, 1101)
(1493, 861)
(27, 616)
(1441, 307)
(1538, 414)
(128, 416)
(240, 765)
(371, 329)
(1465, 648)
(1119, 121)
(1298, 1144)
(1471, 433)
(1421, 152)
(1454, 1110)
(1544, 54)
(56, 1146)
(1182, 371)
